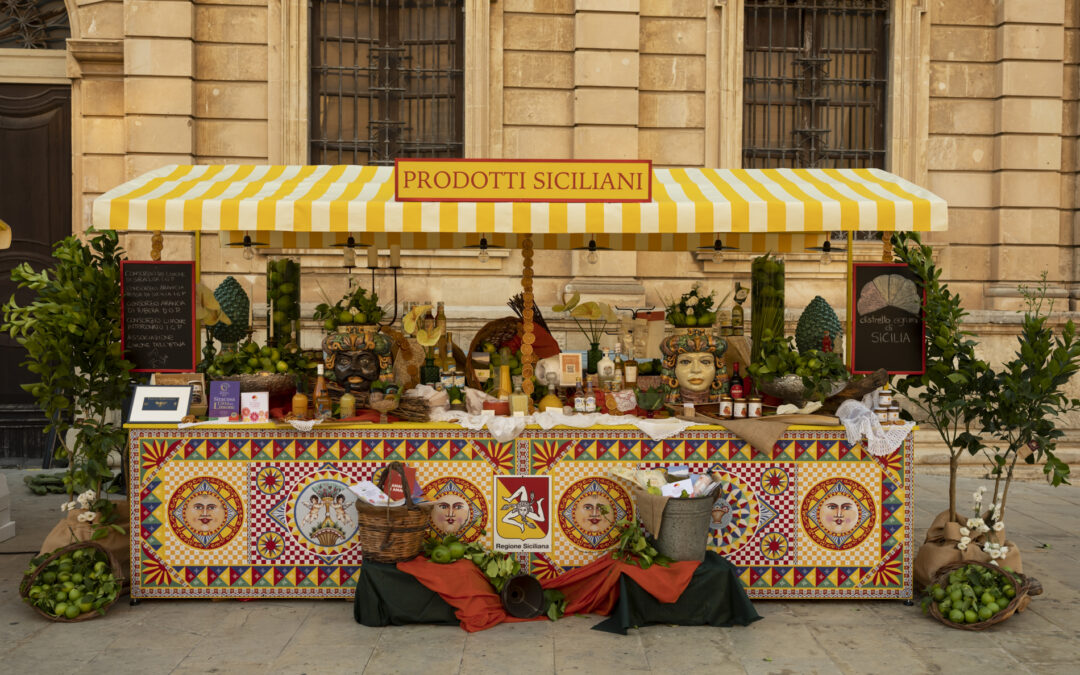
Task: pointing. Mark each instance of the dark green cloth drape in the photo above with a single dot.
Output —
(386, 596)
(714, 598)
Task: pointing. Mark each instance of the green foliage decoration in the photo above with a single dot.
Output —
(71, 333)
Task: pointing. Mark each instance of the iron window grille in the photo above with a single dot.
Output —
(33, 24)
(387, 80)
(814, 83)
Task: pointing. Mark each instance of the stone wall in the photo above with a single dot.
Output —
(983, 106)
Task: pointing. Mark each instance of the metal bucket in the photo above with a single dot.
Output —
(685, 527)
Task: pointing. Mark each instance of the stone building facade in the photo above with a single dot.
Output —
(981, 107)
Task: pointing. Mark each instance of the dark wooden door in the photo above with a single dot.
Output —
(35, 200)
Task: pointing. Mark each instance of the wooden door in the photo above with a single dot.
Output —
(35, 200)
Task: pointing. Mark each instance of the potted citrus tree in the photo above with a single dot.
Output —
(71, 332)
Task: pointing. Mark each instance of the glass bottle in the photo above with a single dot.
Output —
(323, 404)
(551, 401)
(347, 405)
(440, 325)
(620, 367)
(579, 398)
(736, 382)
(630, 367)
(605, 372)
(519, 402)
(300, 400)
(590, 399)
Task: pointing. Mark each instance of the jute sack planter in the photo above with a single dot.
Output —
(939, 549)
(70, 531)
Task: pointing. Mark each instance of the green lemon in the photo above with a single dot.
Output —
(985, 613)
(60, 596)
(85, 607)
(956, 594)
(971, 616)
(75, 594)
(48, 577)
(457, 550)
(77, 578)
(329, 325)
(282, 367)
(993, 607)
(345, 317)
(939, 593)
(360, 318)
(956, 616)
(986, 598)
(60, 609)
(100, 567)
(945, 606)
(441, 554)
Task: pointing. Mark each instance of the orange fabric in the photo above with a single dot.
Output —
(592, 589)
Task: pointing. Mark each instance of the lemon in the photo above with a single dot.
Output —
(329, 324)
(971, 616)
(457, 550)
(441, 554)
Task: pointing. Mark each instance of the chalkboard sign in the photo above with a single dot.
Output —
(888, 330)
(157, 304)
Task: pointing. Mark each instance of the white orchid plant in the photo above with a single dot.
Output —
(977, 526)
(96, 511)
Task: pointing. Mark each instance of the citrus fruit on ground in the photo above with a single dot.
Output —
(956, 616)
(60, 609)
(985, 613)
(994, 607)
(72, 611)
(441, 554)
(457, 550)
(971, 616)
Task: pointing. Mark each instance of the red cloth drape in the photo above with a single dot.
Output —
(592, 589)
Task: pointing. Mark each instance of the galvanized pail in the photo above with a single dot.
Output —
(684, 528)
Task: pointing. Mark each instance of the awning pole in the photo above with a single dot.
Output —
(848, 340)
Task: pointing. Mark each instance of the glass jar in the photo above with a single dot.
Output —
(282, 301)
(726, 405)
(753, 407)
(738, 408)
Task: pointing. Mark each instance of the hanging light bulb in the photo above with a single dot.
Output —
(249, 250)
(350, 253)
(592, 258)
(718, 251)
(484, 256)
(826, 252)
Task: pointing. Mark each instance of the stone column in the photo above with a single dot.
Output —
(159, 68)
(1027, 147)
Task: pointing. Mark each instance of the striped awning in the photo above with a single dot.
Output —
(318, 206)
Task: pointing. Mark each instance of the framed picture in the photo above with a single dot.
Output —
(570, 369)
(198, 387)
(160, 404)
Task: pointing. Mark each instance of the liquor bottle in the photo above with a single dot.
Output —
(347, 405)
(446, 367)
(590, 399)
(736, 383)
(300, 401)
(519, 402)
(737, 310)
(552, 400)
(620, 368)
(440, 325)
(630, 368)
(321, 395)
(605, 372)
(579, 398)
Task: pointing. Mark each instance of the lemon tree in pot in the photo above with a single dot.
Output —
(1027, 400)
(948, 394)
(70, 329)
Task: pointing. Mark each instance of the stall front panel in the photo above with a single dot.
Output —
(266, 512)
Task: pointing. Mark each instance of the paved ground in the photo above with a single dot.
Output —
(794, 637)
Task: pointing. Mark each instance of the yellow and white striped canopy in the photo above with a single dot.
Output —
(318, 206)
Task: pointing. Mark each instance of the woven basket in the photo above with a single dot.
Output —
(31, 577)
(391, 534)
(1025, 588)
(496, 332)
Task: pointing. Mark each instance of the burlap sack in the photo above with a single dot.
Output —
(69, 530)
(939, 549)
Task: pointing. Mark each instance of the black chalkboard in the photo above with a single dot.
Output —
(888, 331)
(157, 303)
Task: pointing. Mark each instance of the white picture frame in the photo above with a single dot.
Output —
(160, 404)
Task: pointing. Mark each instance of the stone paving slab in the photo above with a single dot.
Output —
(320, 636)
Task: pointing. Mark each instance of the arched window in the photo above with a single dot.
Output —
(33, 24)
(814, 83)
(387, 80)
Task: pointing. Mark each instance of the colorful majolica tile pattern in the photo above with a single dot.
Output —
(227, 514)
(814, 517)
(239, 514)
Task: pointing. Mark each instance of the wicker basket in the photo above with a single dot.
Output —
(496, 332)
(1025, 588)
(31, 577)
(391, 534)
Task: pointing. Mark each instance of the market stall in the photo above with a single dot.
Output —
(266, 482)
